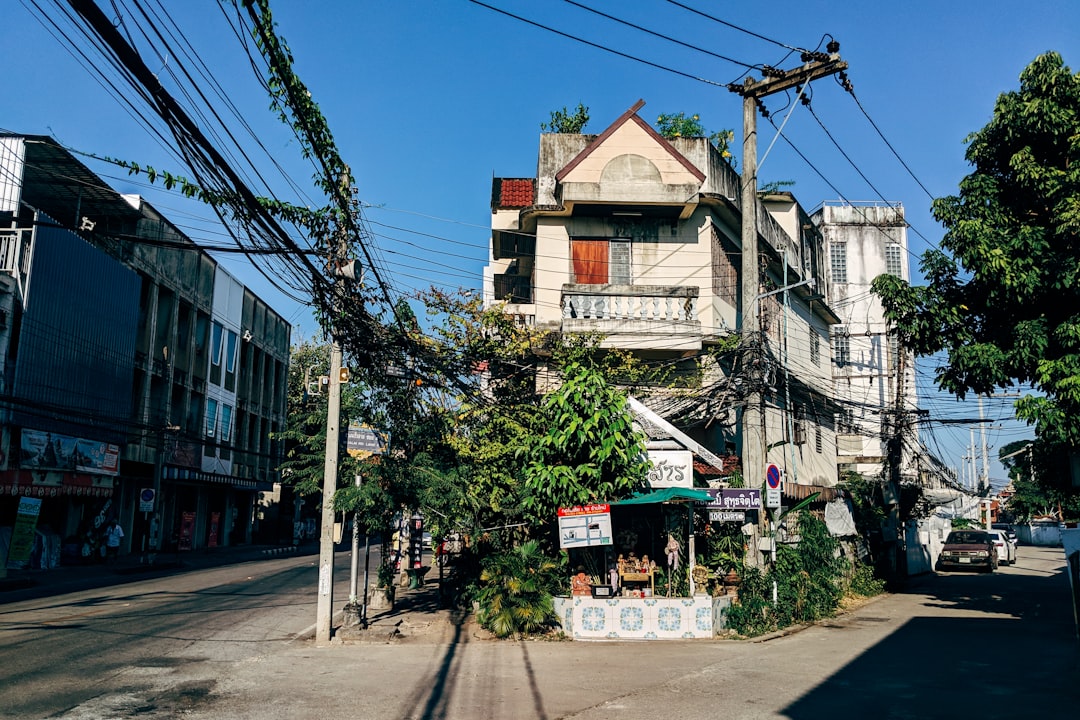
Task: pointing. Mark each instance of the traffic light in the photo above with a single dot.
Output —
(344, 376)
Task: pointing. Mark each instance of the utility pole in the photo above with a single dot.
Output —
(816, 66)
(324, 608)
(982, 436)
(894, 543)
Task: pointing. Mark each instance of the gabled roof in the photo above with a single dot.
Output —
(630, 116)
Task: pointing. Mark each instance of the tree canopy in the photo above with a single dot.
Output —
(1002, 298)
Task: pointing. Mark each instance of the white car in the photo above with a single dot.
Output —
(1006, 551)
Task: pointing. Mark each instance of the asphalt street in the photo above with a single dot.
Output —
(231, 643)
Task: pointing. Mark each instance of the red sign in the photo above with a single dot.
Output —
(215, 521)
(585, 510)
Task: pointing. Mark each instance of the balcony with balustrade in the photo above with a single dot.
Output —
(662, 317)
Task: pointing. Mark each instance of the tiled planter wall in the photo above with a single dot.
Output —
(588, 618)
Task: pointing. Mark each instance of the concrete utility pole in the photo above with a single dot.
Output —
(815, 67)
(324, 608)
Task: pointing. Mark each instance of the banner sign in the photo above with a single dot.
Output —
(585, 526)
(735, 499)
(187, 531)
(727, 516)
(671, 468)
(50, 451)
(22, 535)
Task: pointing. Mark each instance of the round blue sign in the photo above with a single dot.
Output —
(772, 477)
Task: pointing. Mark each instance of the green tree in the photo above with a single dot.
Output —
(1002, 295)
(565, 121)
(585, 448)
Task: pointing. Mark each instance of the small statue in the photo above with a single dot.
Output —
(672, 550)
(579, 584)
(645, 564)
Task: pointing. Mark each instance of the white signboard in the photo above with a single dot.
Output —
(584, 526)
(671, 468)
(772, 497)
(727, 516)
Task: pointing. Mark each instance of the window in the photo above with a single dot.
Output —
(601, 262)
(815, 348)
(725, 276)
(798, 426)
(838, 261)
(818, 445)
(841, 350)
(845, 422)
(230, 353)
(894, 260)
(894, 354)
(211, 417)
(215, 344)
(226, 423)
(619, 262)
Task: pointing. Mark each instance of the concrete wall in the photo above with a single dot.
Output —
(1044, 534)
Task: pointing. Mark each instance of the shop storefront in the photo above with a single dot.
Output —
(626, 558)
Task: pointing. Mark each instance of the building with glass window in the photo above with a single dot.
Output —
(864, 240)
(141, 381)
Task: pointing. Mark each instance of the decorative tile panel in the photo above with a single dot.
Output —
(631, 619)
(669, 619)
(592, 619)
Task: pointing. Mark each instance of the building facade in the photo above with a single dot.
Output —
(636, 238)
(872, 380)
(141, 381)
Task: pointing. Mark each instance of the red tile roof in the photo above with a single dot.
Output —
(516, 193)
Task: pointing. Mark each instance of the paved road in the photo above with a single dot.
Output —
(221, 646)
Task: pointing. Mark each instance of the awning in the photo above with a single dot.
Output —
(188, 475)
(667, 495)
(801, 492)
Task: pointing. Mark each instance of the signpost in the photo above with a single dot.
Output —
(773, 485)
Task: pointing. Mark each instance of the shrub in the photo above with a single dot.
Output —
(864, 583)
(516, 589)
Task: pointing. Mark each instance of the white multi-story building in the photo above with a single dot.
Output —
(864, 240)
(637, 238)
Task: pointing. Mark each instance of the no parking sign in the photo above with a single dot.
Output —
(773, 484)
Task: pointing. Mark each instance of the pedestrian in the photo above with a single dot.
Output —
(113, 535)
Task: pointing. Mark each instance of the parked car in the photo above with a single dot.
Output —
(968, 549)
(1008, 531)
(1006, 550)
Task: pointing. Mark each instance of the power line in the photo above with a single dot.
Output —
(627, 56)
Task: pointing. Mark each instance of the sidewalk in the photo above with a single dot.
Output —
(31, 584)
(419, 615)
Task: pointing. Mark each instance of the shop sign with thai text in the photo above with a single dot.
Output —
(734, 499)
(727, 516)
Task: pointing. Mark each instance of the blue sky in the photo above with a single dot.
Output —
(429, 100)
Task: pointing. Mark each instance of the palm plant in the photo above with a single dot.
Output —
(516, 590)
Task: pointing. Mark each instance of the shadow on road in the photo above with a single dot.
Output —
(988, 646)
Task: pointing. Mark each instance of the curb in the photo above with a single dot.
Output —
(283, 550)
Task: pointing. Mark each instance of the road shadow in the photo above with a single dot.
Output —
(1016, 657)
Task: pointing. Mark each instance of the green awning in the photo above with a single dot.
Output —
(667, 495)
